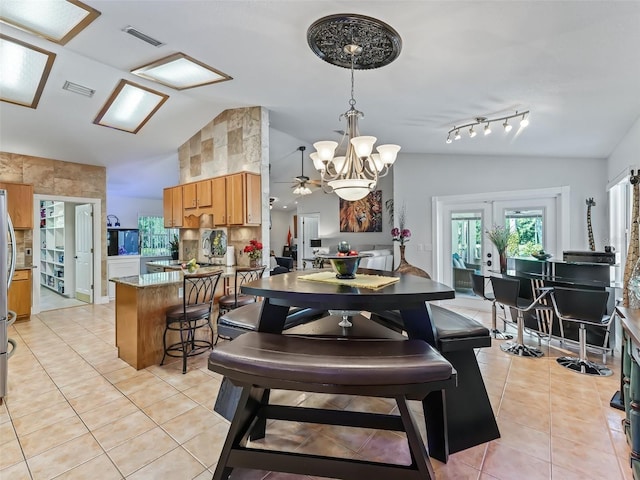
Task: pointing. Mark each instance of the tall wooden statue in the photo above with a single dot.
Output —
(590, 203)
(633, 252)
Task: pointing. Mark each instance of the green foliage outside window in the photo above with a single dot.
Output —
(155, 240)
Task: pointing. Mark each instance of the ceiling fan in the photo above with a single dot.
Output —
(303, 183)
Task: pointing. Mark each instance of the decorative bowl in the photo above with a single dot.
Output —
(541, 256)
(345, 266)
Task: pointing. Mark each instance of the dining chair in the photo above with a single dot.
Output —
(506, 292)
(193, 314)
(587, 308)
(478, 287)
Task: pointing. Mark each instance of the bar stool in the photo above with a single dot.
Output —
(477, 282)
(506, 293)
(194, 313)
(231, 301)
(585, 307)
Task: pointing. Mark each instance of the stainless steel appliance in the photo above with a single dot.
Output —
(589, 257)
(7, 267)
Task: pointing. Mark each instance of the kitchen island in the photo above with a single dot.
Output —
(141, 302)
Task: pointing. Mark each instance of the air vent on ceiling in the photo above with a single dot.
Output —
(79, 89)
(145, 38)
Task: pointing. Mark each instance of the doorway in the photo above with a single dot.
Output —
(309, 223)
(65, 257)
(458, 220)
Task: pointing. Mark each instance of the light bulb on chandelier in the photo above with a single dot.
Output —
(353, 175)
(455, 131)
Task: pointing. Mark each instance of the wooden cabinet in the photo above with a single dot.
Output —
(219, 200)
(197, 197)
(19, 204)
(244, 205)
(19, 297)
(172, 206)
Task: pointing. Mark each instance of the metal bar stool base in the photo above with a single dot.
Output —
(585, 367)
(498, 335)
(520, 350)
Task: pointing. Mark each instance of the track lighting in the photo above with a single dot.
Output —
(455, 131)
(113, 218)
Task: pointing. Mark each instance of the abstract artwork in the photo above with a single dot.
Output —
(364, 215)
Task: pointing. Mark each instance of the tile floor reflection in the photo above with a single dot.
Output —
(76, 411)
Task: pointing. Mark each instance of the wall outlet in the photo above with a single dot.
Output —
(27, 252)
(180, 292)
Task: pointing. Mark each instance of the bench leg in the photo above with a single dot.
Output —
(419, 454)
(248, 406)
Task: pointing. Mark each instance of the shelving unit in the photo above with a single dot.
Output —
(54, 259)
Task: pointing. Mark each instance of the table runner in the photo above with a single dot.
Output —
(362, 280)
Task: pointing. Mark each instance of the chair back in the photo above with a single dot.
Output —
(246, 275)
(506, 290)
(587, 306)
(477, 282)
(198, 290)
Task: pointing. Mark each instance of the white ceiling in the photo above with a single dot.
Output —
(574, 64)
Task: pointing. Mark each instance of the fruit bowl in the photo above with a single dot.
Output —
(345, 266)
(541, 255)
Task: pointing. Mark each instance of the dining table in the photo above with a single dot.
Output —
(408, 294)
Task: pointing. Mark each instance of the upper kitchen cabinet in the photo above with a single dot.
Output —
(172, 206)
(244, 199)
(19, 204)
(219, 200)
(196, 197)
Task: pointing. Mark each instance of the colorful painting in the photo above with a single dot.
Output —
(364, 215)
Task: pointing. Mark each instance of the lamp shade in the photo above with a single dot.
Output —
(325, 149)
(363, 145)
(388, 153)
(352, 188)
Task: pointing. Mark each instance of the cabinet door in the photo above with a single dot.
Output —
(19, 297)
(235, 199)
(253, 199)
(189, 196)
(204, 193)
(167, 207)
(219, 200)
(19, 204)
(177, 203)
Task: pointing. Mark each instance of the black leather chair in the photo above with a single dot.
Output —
(585, 307)
(506, 293)
(478, 288)
(193, 314)
(284, 265)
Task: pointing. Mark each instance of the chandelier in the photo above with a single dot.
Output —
(479, 121)
(354, 42)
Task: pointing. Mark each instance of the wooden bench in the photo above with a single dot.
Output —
(400, 369)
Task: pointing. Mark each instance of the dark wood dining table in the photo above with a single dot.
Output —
(409, 295)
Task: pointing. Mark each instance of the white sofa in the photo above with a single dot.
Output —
(381, 255)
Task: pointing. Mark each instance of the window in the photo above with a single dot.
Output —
(466, 236)
(154, 238)
(527, 226)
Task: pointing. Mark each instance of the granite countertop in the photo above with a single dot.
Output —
(166, 278)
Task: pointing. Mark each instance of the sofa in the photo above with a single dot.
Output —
(381, 256)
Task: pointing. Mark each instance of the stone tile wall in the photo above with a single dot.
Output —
(56, 177)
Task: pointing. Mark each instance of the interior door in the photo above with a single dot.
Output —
(84, 253)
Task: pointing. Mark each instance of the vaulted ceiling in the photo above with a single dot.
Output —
(574, 64)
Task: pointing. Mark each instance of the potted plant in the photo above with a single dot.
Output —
(174, 246)
(500, 237)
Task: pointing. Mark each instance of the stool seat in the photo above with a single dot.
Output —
(230, 300)
(191, 312)
(330, 361)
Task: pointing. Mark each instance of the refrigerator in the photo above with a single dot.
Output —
(7, 267)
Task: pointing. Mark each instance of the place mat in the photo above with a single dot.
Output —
(362, 280)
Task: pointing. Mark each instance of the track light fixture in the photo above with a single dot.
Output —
(114, 219)
(455, 131)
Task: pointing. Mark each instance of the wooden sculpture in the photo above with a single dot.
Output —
(634, 239)
(590, 203)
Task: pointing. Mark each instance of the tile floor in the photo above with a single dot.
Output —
(50, 300)
(75, 411)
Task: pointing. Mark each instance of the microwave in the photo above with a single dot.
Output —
(122, 241)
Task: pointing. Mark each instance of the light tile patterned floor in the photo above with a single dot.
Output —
(75, 411)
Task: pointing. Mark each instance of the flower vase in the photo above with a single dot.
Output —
(254, 262)
(406, 267)
(503, 262)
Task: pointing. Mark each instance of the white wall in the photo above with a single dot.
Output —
(127, 209)
(281, 222)
(417, 178)
(627, 154)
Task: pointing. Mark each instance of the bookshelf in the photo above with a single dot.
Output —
(56, 250)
